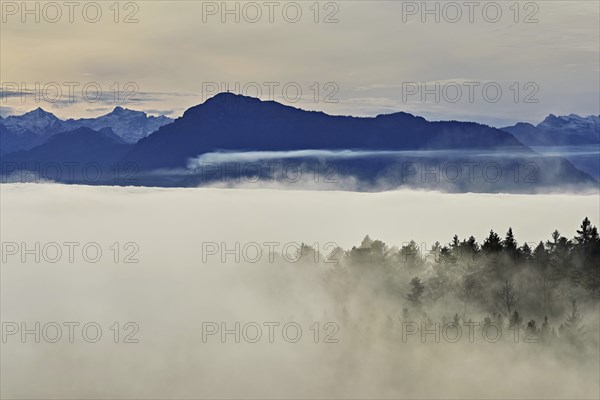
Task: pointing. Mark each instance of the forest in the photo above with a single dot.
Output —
(547, 291)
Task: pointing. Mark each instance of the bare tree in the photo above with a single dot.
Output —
(506, 298)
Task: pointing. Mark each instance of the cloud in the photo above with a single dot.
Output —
(171, 65)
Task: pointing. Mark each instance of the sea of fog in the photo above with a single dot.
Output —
(184, 217)
(136, 280)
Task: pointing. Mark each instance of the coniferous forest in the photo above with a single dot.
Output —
(546, 292)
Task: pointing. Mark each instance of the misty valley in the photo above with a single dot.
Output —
(220, 252)
(281, 200)
(230, 294)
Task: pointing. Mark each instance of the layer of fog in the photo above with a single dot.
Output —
(253, 156)
(274, 215)
(506, 170)
(171, 291)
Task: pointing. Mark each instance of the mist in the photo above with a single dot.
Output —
(179, 263)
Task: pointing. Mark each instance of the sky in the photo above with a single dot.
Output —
(492, 62)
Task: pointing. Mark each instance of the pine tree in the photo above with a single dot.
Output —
(573, 320)
(526, 253)
(434, 253)
(366, 242)
(454, 246)
(410, 255)
(492, 244)
(531, 327)
(469, 249)
(509, 241)
(446, 258)
(515, 320)
(540, 256)
(572, 329)
(587, 233)
(560, 256)
(416, 292)
(587, 258)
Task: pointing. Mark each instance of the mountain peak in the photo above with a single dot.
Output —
(224, 97)
(570, 117)
(572, 122)
(228, 102)
(37, 121)
(40, 113)
(118, 110)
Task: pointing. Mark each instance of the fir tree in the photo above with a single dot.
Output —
(509, 243)
(416, 292)
(515, 320)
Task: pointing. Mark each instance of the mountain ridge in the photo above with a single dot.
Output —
(566, 130)
(377, 148)
(130, 125)
(235, 122)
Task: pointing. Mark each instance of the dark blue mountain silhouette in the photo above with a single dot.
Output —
(108, 132)
(80, 146)
(11, 141)
(234, 122)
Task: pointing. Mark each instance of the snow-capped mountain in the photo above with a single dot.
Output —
(130, 125)
(572, 124)
(37, 121)
(570, 130)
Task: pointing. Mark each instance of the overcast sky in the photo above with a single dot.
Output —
(379, 57)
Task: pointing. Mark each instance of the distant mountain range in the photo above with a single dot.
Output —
(568, 130)
(375, 151)
(31, 129)
(571, 136)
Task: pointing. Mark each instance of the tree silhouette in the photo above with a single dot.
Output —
(515, 320)
(509, 243)
(526, 254)
(573, 319)
(416, 292)
(492, 244)
(571, 329)
(410, 255)
(464, 273)
(586, 258)
(506, 298)
(587, 234)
